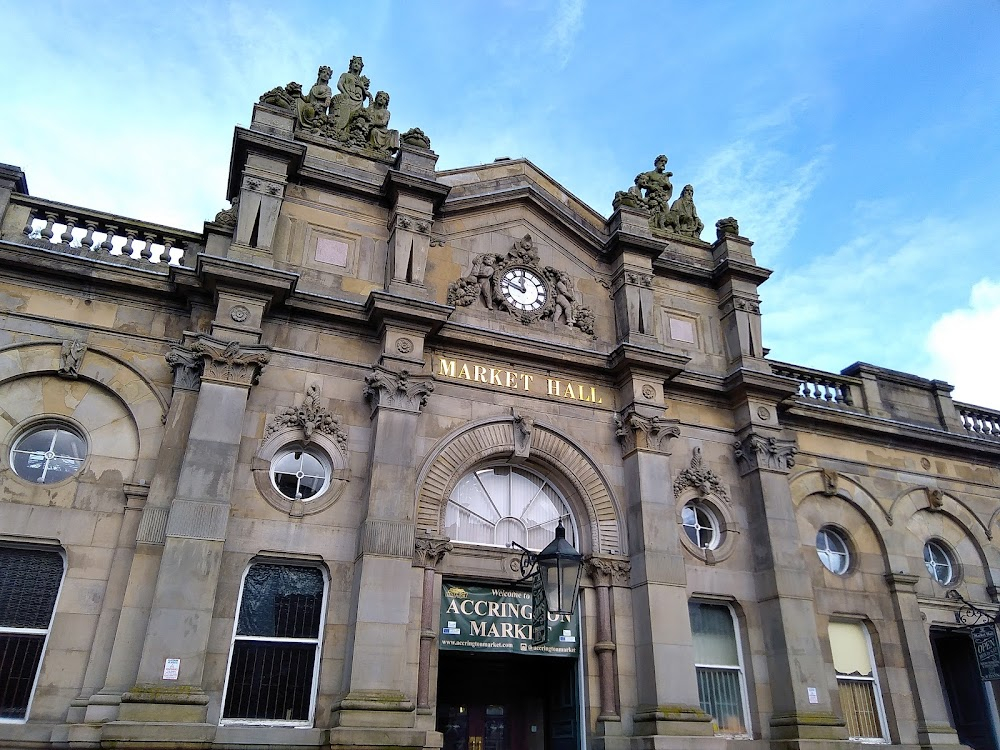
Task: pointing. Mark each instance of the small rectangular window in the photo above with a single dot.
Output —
(29, 587)
(274, 662)
(719, 667)
(857, 681)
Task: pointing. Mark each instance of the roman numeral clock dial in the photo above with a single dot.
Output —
(523, 289)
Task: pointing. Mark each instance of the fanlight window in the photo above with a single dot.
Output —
(503, 504)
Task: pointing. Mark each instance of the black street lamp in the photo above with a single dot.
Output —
(559, 567)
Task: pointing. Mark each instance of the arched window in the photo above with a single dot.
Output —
(502, 504)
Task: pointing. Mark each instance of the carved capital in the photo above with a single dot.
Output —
(747, 305)
(230, 362)
(428, 551)
(397, 390)
(635, 431)
(757, 451)
(639, 279)
(310, 417)
(187, 367)
(607, 571)
(700, 478)
(71, 357)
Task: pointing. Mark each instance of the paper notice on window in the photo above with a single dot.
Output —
(171, 669)
(813, 695)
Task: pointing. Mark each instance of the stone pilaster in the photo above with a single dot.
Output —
(605, 572)
(377, 707)
(428, 552)
(795, 665)
(933, 727)
(184, 593)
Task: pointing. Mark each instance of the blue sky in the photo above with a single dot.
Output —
(857, 142)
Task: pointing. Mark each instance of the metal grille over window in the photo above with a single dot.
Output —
(860, 697)
(719, 667)
(275, 657)
(29, 586)
(500, 505)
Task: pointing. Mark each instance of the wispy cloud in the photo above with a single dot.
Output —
(565, 27)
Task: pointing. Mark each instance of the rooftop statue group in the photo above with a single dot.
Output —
(352, 116)
(652, 191)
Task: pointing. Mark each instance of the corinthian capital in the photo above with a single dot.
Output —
(607, 571)
(635, 430)
(755, 451)
(397, 390)
(428, 551)
(230, 362)
(186, 365)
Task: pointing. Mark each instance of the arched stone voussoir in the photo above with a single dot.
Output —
(492, 439)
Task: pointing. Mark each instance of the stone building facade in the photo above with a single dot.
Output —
(259, 481)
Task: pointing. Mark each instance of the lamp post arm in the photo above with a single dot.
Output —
(969, 613)
(527, 562)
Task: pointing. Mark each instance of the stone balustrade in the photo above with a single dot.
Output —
(96, 234)
(824, 387)
(979, 421)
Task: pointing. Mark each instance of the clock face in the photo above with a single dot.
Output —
(523, 289)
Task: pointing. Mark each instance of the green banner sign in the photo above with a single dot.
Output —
(498, 619)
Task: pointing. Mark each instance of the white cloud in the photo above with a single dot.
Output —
(962, 345)
(565, 27)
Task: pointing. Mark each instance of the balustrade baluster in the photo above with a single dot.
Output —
(87, 241)
(29, 226)
(128, 249)
(168, 245)
(50, 219)
(109, 241)
(66, 238)
(146, 254)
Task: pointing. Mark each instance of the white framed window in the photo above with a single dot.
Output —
(857, 681)
(833, 550)
(274, 660)
(300, 473)
(718, 658)
(30, 580)
(940, 562)
(498, 505)
(701, 524)
(48, 452)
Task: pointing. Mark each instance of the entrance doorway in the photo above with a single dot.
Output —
(972, 707)
(507, 702)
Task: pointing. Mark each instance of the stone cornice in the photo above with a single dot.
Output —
(384, 307)
(245, 140)
(627, 357)
(398, 181)
(213, 272)
(729, 268)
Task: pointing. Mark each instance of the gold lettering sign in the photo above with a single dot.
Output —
(517, 380)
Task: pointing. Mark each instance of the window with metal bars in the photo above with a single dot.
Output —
(274, 662)
(857, 681)
(29, 586)
(719, 667)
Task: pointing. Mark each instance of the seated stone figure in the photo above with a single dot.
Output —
(682, 217)
(380, 138)
(353, 88)
(312, 108)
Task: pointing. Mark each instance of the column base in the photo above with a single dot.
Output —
(181, 704)
(808, 726)
(374, 708)
(389, 738)
(150, 735)
(672, 720)
(932, 735)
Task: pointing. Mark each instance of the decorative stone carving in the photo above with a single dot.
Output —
(639, 279)
(523, 427)
(542, 293)
(416, 137)
(727, 227)
(428, 551)
(747, 305)
(227, 217)
(830, 481)
(310, 417)
(700, 478)
(397, 390)
(682, 217)
(633, 431)
(652, 191)
(607, 571)
(404, 345)
(239, 313)
(935, 498)
(187, 366)
(756, 451)
(70, 358)
(230, 362)
(344, 117)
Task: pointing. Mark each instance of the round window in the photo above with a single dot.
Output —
(831, 546)
(48, 453)
(701, 525)
(300, 474)
(939, 562)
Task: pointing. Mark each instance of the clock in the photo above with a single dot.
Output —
(523, 289)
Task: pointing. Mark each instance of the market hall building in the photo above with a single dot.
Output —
(260, 481)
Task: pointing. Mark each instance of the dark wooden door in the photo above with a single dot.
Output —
(965, 691)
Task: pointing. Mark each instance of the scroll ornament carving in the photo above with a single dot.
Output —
(606, 571)
(558, 299)
(758, 452)
(428, 551)
(400, 390)
(229, 362)
(187, 366)
(701, 478)
(636, 431)
(523, 427)
(652, 191)
(227, 217)
(343, 118)
(727, 227)
(70, 358)
(311, 417)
